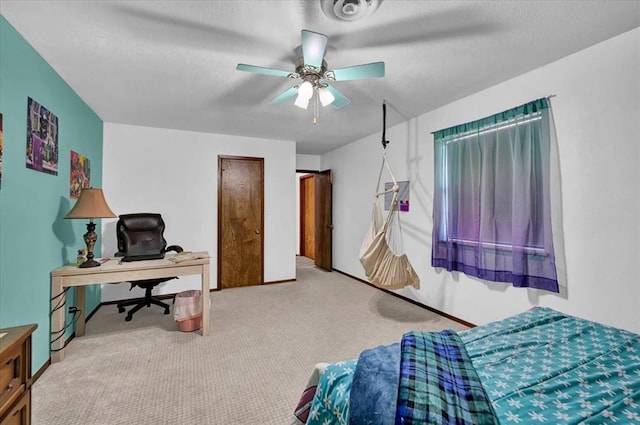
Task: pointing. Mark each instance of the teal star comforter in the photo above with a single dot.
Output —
(540, 366)
(543, 366)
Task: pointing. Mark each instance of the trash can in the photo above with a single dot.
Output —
(187, 310)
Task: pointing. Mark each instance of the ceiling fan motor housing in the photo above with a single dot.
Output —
(349, 10)
(310, 73)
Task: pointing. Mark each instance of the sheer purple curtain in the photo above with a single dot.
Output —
(492, 212)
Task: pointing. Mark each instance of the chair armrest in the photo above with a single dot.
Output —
(175, 248)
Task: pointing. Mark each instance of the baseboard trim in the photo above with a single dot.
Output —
(409, 300)
(40, 371)
(279, 281)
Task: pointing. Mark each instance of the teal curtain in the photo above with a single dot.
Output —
(492, 212)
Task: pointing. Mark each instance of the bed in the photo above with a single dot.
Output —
(540, 366)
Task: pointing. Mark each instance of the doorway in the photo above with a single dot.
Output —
(316, 228)
(240, 221)
(308, 216)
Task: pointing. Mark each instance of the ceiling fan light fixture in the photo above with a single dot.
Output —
(305, 90)
(301, 102)
(326, 97)
(349, 10)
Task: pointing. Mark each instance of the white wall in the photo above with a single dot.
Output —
(596, 112)
(175, 173)
(308, 162)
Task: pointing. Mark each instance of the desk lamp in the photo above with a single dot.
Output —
(91, 204)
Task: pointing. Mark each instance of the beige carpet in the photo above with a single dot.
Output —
(263, 345)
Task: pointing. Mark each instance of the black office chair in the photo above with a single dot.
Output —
(141, 237)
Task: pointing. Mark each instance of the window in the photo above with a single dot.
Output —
(492, 213)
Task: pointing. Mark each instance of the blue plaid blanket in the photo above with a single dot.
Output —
(426, 379)
(438, 383)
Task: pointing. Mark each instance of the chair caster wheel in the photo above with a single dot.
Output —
(166, 311)
(120, 309)
(128, 318)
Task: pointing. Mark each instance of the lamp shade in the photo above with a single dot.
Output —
(91, 204)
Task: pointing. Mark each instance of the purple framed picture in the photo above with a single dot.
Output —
(42, 138)
(80, 174)
(403, 196)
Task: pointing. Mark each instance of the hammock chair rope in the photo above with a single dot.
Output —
(386, 267)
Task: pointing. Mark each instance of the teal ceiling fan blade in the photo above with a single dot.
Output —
(263, 70)
(287, 94)
(313, 72)
(359, 72)
(340, 99)
(314, 46)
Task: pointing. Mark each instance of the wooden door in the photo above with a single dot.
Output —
(240, 221)
(323, 220)
(307, 216)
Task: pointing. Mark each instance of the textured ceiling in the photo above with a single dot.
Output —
(171, 64)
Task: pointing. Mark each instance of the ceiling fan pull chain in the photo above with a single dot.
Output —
(315, 107)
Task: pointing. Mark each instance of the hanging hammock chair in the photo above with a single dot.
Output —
(381, 253)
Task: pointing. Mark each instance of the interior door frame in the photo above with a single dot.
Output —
(324, 220)
(219, 244)
(316, 173)
(302, 216)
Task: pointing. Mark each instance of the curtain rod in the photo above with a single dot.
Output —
(547, 97)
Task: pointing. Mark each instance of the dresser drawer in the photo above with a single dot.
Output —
(20, 414)
(13, 376)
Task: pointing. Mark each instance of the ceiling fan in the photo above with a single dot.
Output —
(311, 68)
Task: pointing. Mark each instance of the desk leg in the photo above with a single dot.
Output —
(205, 299)
(81, 305)
(57, 320)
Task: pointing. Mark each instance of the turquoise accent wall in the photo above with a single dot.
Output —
(34, 237)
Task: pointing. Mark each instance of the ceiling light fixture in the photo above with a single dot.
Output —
(349, 10)
(326, 97)
(305, 93)
(312, 88)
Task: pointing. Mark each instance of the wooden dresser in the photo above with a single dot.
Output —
(15, 375)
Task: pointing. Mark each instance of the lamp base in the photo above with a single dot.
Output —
(89, 263)
(90, 239)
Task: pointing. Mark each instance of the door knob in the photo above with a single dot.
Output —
(257, 231)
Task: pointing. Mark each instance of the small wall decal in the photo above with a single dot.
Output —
(403, 196)
(80, 174)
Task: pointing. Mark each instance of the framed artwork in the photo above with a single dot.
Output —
(403, 196)
(42, 138)
(80, 174)
(0, 150)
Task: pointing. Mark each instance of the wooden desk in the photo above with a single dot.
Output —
(113, 271)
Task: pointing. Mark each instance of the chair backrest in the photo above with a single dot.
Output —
(140, 236)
